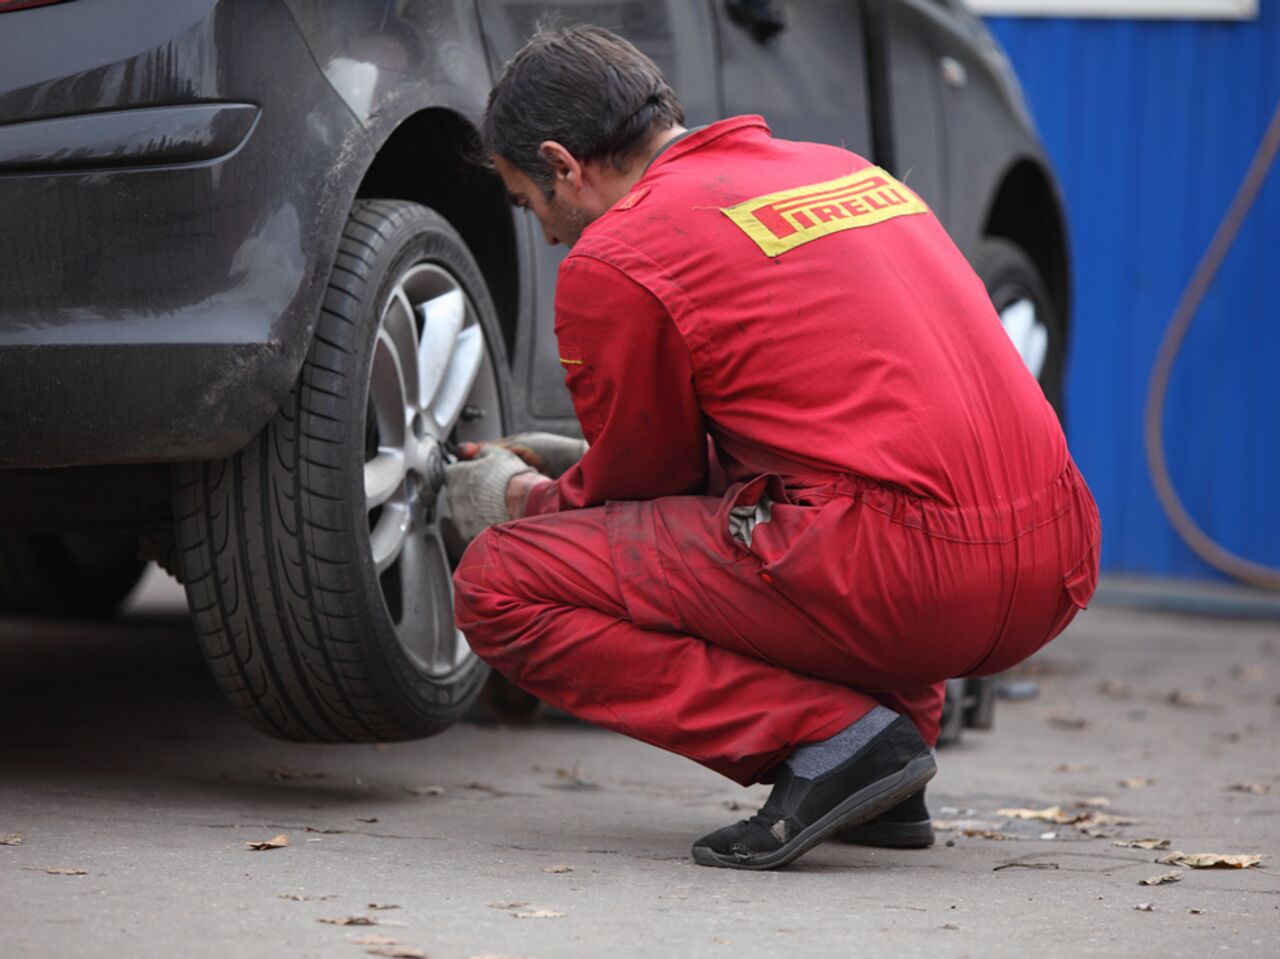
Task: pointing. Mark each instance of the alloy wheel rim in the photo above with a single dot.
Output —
(431, 381)
(1027, 331)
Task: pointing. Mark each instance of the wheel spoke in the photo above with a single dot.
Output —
(450, 641)
(442, 319)
(383, 475)
(401, 325)
(464, 367)
(417, 621)
(1029, 336)
(426, 627)
(389, 535)
(387, 392)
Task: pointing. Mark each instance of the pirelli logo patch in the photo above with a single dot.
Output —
(783, 221)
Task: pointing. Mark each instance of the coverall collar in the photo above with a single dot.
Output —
(698, 138)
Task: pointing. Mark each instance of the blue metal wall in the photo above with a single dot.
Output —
(1151, 126)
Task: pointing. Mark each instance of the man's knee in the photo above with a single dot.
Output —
(479, 592)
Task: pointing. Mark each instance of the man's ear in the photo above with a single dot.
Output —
(563, 164)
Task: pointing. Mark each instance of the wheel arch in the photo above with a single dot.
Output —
(432, 158)
(1028, 211)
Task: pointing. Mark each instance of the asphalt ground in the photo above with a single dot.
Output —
(121, 764)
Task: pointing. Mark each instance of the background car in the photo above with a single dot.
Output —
(255, 285)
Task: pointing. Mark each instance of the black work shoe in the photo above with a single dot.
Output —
(905, 826)
(800, 813)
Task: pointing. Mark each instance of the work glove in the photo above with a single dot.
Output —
(476, 489)
(548, 453)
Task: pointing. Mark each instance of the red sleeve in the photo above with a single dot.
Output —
(629, 373)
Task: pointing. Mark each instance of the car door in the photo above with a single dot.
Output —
(924, 54)
(801, 65)
(677, 35)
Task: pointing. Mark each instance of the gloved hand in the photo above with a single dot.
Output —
(548, 453)
(476, 489)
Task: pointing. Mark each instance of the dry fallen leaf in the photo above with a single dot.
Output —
(424, 790)
(1070, 723)
(1136, 782)
(1256, 789)
(496, 955)
(327, 832)
(1142, 843)
(1094, 833)
(373, 939)
(985, 834)
(284, 773)
(1196, 912)
(733, 805)
(1048, 814)
(1093, 802)
(1144, 907)
(1161, 879)
(397, 952)
(1026, 865)
(1115, 689)
(1209, 860)
(1249, 674)
(516, 904)
(1074, 767)
(376, 906)
(295, 898)
(539, 914)
(349, 920)
(65, 871)
(10, 839)
(366, 819)
(558, 867)
(574, 779)
(276, 842)
(1186, 697)
(1056, 814)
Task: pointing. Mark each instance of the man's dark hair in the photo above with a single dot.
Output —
(584, 87)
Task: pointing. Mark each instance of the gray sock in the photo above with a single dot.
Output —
(813, 759)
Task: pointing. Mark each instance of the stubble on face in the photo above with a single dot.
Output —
(561, 218)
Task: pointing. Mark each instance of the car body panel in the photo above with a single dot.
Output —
(173, 186)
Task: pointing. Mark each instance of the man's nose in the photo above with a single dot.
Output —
(549, 236)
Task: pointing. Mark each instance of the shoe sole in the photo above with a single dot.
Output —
(890, 835)
(867, 803)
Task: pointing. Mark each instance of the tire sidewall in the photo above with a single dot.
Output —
(1010, 275)
(421, 236)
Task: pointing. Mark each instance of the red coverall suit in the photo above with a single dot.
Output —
(889, 500)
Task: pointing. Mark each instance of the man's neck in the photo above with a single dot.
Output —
(622, 183)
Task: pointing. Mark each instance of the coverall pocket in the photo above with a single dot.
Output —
(746, 507)
(1082, 579)
(1078, 585)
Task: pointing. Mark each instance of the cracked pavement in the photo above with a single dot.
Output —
(121, 760)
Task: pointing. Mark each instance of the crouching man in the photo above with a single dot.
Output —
(820, 479)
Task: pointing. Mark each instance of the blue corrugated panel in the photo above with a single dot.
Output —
(1151, 126)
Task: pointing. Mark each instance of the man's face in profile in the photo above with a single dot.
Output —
(562, 217)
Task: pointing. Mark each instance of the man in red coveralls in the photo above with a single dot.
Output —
(820, 479)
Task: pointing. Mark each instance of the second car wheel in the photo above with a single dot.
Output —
(1026, 312)
(317, 563)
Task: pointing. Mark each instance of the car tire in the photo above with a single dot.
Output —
(951, 722)
(1021, 298)
(82, 576)
(316, 560)
(980, 702)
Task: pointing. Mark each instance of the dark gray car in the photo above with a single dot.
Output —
(252, 287)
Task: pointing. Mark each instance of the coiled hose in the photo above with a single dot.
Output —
(1204, 546)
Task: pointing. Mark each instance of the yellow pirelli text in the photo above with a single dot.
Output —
(782, 221)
